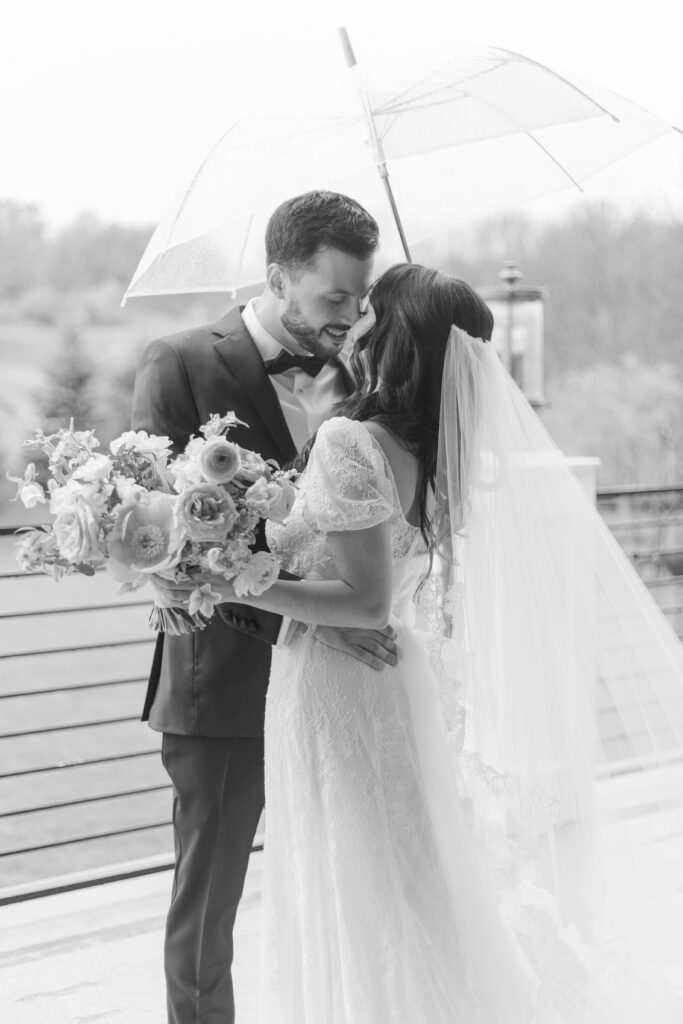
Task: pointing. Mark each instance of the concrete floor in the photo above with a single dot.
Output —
(96, 954)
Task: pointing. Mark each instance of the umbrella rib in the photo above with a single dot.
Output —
(554, 160)
(196, 175)
(390, 107)
(533, 138)
(311, 131)
(522, 130)
(241, 259)
(565, 81)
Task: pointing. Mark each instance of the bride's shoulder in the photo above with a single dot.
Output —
(339, 427)
(352, 444)
(368, 437)
(339, 431)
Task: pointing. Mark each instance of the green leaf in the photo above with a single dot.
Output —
(84, 569)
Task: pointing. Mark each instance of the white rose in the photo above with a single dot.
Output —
(208, 512)
(281, 506)
(77, 533)
(193, 447)
(252, 466)
(127, 489)
(76, 492)
(258, 575)
(61, 497)
(271, 499)
(185, 473)
(96, 468)
(142, 443)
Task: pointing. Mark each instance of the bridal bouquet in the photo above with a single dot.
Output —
(142, 513)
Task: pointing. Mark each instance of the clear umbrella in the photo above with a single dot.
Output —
(454, 135)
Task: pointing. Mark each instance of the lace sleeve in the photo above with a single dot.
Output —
(347, 485)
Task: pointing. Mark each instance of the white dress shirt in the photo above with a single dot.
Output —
(306, 401)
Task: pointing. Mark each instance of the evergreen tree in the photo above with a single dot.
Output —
(69, 390)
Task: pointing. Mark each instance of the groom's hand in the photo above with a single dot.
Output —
(375, 647)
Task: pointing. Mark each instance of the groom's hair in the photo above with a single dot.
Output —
(301, 226)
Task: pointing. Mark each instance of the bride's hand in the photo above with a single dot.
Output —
(169, 594)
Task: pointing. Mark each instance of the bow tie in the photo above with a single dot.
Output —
(287, 361)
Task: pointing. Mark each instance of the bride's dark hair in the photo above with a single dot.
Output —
(398, 364)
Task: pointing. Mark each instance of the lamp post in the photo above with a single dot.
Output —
(518, 330)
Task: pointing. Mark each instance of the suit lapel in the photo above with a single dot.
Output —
(242, 358)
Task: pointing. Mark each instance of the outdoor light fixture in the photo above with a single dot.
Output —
(518, 331)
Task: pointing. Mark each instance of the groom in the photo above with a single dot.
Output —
(276, 363)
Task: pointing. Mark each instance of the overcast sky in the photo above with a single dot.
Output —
(110, 107)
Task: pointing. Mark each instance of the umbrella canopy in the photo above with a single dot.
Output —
(457, 134)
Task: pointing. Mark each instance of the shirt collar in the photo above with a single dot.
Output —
(268, 346)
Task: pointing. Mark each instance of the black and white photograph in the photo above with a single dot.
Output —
(341, 513)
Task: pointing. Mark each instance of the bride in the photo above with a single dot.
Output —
(432, 830)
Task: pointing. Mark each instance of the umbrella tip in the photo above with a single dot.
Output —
(347, 48)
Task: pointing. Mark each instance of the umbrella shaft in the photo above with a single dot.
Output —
(384, 175)
(375, 141)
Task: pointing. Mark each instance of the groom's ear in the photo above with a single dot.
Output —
(275, 279)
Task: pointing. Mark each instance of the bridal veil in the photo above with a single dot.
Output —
(541, 635)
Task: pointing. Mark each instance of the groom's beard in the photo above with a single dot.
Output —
(316, 343)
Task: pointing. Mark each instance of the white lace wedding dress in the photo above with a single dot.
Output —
(357, 922)
(376, 905)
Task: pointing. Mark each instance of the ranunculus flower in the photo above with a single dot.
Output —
(219, 460)
(146, 537)
(207, 511)
(258, 575)
(77, 532)
(272, 499)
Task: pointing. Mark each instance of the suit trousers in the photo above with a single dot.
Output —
(218, 797)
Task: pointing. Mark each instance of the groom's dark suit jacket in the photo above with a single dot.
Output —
(212, 682)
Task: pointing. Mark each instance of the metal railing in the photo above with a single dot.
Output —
(85, 775)
(647, 520)
(73, 758)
